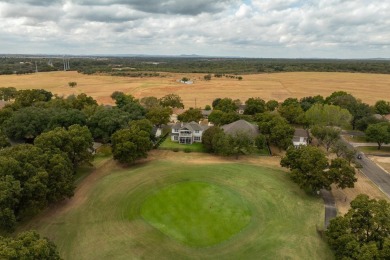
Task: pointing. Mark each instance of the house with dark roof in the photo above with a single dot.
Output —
(206, 113)
(188, 133)
(301, 137)
(241, 126)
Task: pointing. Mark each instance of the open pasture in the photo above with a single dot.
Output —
(278, 86)
(168, 209)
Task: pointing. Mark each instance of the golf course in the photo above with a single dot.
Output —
(173, 209)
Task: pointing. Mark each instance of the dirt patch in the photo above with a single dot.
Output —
(383, 162)
(205, 158)
(363, 185)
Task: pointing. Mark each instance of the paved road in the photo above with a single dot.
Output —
(330, 206)
(367, 144)
(377, 175)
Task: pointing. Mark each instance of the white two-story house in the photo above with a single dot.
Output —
(187, 133)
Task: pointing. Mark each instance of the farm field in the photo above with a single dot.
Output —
(279, 86)
(128, 213)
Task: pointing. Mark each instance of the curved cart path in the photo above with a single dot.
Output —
(330, 206)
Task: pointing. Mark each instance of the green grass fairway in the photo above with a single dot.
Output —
(164, 209)
(197, 213)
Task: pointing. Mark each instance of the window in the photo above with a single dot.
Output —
(196, 138)
(176, 130)
(196, 131)
(175, 138)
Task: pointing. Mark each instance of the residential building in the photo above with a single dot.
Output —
(301, 137)
(187, 133)
(241, 126)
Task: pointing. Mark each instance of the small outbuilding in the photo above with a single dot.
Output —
(301, 137)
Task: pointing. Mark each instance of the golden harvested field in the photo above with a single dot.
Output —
(279, 86)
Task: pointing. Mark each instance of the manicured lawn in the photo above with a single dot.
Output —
(197, 213)
(169, 145)
(355, 139)
(169, 210)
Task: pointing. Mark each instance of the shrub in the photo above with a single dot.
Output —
(175, 149)
(187, 150)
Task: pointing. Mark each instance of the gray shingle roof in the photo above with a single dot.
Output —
(193, 126)
(241, 126)
(301, 133)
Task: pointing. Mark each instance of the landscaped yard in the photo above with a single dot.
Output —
(169, 145)
(163, 209)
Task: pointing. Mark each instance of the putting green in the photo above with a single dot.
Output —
(197, 213)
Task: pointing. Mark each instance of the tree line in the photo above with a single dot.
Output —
(148, 66)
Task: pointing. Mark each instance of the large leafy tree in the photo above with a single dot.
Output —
(271, 105)
(27, 123)
(218, 117)
(76, 142)
(80, 101)
(8, 93)
(382, 107)
(254, 106)
(356, 107)
(328, 115)
(362, 233)
(379, 133)
(159, 115)
(28, 245)
(192, 114)
(129, 104)
(172, 100)
(226, 105)
(26, 98)
(149, 102)
(310, 170)
(208, 136)
(326, 135)
(9, 200)
(106, 120)
(293, 113)
(308, 102)
(131, 144)
(276, 129)
(44, 177)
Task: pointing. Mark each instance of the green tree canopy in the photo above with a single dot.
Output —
(309, 169)
(382, 107)
(379, 133)
(207, 138)
(362, 233)
(254, 106)
(149, 102)
(328, 115)
(28, 245)
(76, 142)
(130, 144)
(272, 105)
(7, 93)
(192, 114)
(26, 98)
(27, 123)
(171, 100)
(226, 105)
(326, 135)
(159, 115)
(107, 120)
(308, 102)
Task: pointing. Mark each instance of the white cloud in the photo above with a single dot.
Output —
(260, 28)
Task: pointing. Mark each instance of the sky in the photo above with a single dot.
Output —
(249, 28)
